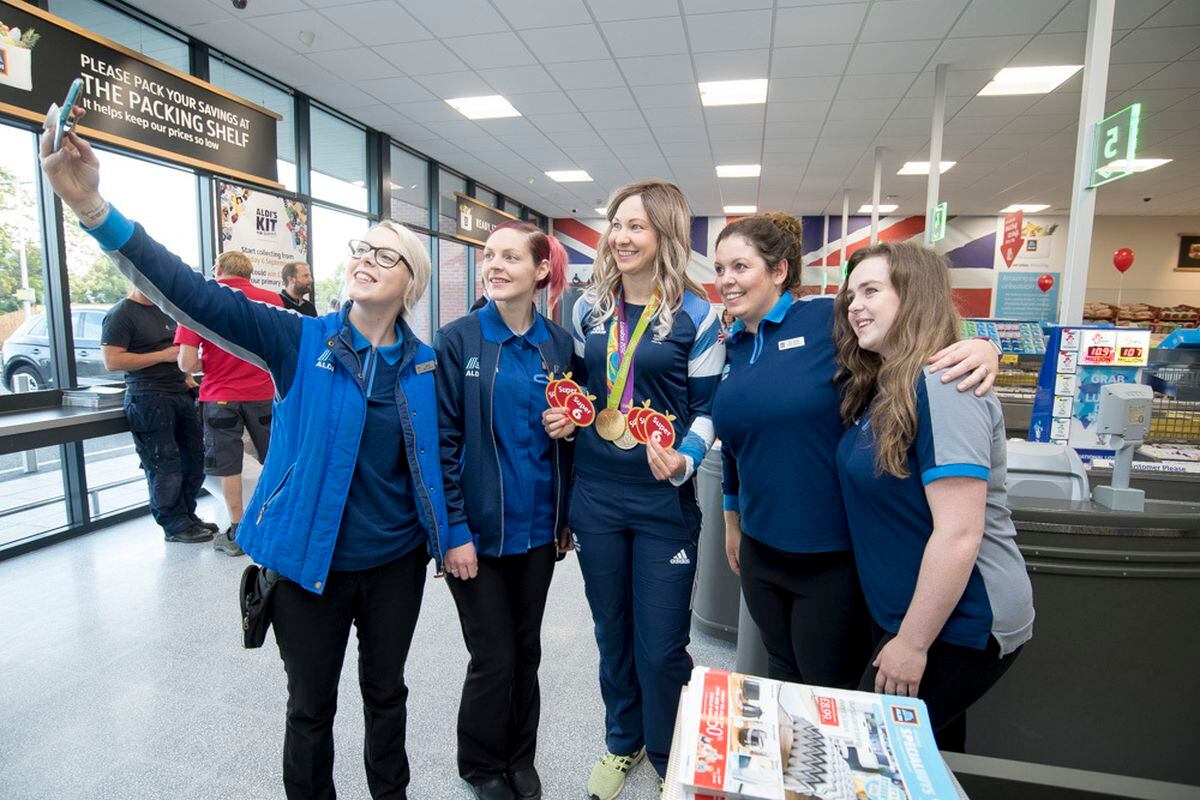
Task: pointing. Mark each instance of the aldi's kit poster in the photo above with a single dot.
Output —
(271, 230)
(1080, 361)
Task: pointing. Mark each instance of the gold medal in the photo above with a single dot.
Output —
(626, 441)
(610, 424)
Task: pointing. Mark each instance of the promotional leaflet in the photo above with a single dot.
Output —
(749, 737)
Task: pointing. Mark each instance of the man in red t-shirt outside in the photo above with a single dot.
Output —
(234, 396)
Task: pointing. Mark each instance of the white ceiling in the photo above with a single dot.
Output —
(610, 86)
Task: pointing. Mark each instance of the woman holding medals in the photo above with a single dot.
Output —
(776, 413)
(506, 485)
(647, 338)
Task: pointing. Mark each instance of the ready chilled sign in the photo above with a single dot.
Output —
(130, 100)
(476, 220)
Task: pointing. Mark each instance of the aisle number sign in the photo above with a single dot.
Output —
(1115, 146)
(937, 222)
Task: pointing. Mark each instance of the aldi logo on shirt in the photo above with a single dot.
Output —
(325, 360)
(472, 370)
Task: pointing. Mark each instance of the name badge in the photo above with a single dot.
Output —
(792, 344)
(427, 366)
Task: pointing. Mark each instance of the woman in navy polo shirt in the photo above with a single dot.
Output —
(506, 481)
(776, 413)
(922, 468)
(644, 332)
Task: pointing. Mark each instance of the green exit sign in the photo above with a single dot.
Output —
(1115, 146)
(937, 222)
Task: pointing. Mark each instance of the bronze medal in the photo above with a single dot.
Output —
(610, 424)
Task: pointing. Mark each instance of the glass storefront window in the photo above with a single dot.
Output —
(115, 480)
(331, 231)
(409, 188)
(163, 200)
(28, 353)
(248, 87)
(452, 281)
(419, 317)
(339, 161)
(31, 494)
(124, 29)
(448, 184)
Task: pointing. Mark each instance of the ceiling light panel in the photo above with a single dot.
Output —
(922, 167)
(884, 208)
(488, 107)
(733, 93)
(740, 209)
(1028, 80)
(568, 175)
(1026, 208)
(739, 170)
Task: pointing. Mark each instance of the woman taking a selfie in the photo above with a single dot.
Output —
(349, 527)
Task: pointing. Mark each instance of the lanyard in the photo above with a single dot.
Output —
(619, 354)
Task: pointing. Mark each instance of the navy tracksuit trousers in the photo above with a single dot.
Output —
(638, 582)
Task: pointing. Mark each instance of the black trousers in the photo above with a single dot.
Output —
(955, 677)
(810, 611)
(170, 445)
(501, 614)
(312, 631)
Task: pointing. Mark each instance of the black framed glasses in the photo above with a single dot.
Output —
(385, 257)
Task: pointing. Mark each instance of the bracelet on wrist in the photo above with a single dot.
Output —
(94, 215)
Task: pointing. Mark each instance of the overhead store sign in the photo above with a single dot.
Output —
(131, 101)
(476, 220)
(937, 222)
(1115, 146)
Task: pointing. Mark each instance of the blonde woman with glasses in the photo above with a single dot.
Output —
(349, 507)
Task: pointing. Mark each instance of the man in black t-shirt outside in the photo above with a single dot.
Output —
(297, 282)
(139, 338)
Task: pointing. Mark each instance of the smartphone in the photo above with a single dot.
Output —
(65, 123)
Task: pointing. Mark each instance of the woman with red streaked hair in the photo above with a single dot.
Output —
(507, 480)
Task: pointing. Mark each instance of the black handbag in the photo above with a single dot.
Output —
(257, 587)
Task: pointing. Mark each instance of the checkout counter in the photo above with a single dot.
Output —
(1107, 686)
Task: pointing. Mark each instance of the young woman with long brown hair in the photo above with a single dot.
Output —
(922, 470)
(644, 331)
(776, 413)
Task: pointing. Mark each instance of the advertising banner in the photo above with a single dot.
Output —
(475, 220)
(1080, 361)
(1018, 296)
(131, 100)
(270, 229)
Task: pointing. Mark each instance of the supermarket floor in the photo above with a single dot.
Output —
(123, 677)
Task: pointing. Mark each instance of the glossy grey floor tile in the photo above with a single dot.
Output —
(122, 676)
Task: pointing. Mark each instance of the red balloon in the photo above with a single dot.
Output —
(1123, 259)
(1045, 282)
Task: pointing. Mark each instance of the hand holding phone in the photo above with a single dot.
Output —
(65, 120)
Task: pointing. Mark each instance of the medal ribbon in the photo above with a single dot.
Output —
(621, 347)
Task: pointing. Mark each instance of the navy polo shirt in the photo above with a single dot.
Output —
(380, 522)
(958, 435)
(776, 414)
(525, 451)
